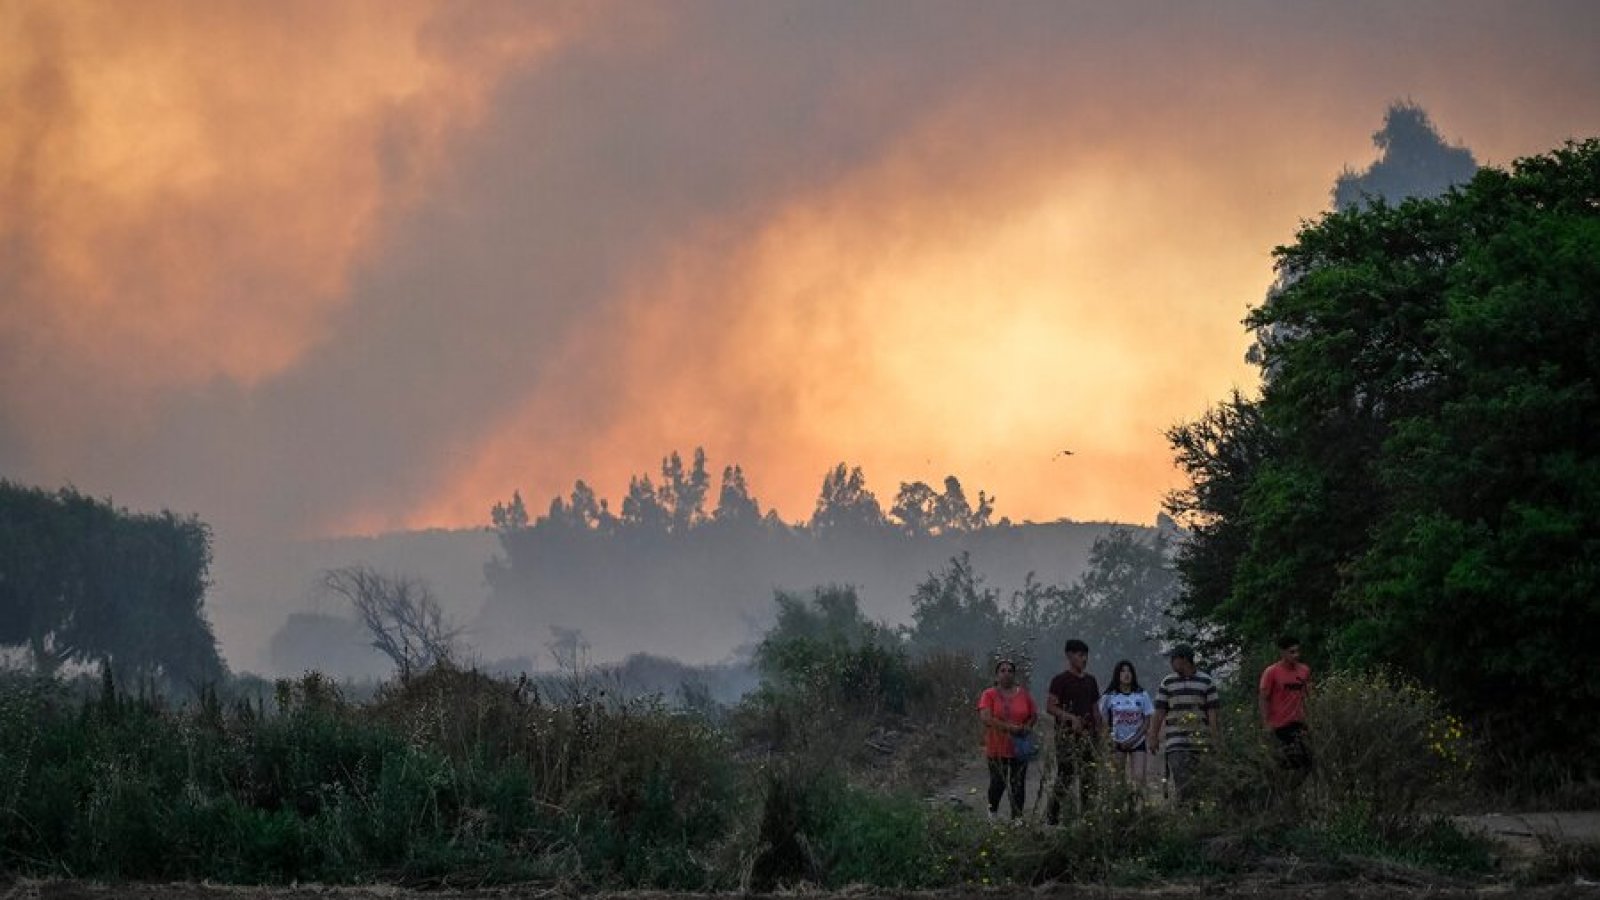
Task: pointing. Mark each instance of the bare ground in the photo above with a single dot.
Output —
(1527, 832)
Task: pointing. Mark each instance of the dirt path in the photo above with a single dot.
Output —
(1526, 832)
(970, 788)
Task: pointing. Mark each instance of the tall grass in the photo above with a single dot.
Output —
(454, 777)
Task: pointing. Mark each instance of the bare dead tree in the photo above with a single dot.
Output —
(402, 614)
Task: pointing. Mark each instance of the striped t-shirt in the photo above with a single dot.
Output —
(1186, 701)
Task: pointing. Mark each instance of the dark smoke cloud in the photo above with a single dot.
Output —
(559, 213)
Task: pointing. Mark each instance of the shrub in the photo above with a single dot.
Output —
(1385, 746)
(1385, 753)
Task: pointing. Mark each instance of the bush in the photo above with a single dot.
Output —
(1385, 753)
(1384, 746)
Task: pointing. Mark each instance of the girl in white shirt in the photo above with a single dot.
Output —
(1128, 709)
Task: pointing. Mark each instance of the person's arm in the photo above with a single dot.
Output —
(1144, 725)
(1264, 696)
(1156, 722)
(991, 721)
(986, 711)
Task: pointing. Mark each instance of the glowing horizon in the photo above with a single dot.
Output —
(319, 269)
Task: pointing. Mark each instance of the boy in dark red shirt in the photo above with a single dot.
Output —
(1282, 697)
(1074, 702)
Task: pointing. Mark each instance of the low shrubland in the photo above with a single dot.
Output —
(823, 777)
(450, 776)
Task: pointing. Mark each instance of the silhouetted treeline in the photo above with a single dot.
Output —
(84, 582)
(677, 503)
(676, 576)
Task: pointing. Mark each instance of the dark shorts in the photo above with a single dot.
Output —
(1292, 747)
(1140, 747)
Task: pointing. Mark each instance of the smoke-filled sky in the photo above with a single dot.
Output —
(313, 268)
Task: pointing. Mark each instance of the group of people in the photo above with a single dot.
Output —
(1178, 725)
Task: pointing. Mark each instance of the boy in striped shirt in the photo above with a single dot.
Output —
(1185, 723)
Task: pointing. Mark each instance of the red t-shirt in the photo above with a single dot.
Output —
(1016, 710)
(1284, 689)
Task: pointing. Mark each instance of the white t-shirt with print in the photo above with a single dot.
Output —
(1126, 712)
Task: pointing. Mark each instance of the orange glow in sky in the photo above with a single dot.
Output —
(193, 182)
(239, 269)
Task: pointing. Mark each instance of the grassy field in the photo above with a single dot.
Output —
(455, 780)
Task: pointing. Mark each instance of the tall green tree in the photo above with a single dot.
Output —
(82, 581)
(954, 609)
(1417, 484)
(1120, 602)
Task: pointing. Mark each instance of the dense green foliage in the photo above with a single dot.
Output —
(1418, 484)
(824, 644)
(82, 581)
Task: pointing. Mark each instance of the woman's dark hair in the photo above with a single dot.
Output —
(1004, 662)
(1116, 683)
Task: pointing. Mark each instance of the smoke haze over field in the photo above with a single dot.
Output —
(310, 269)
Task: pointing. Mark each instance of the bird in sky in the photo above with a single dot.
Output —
(1062, 453)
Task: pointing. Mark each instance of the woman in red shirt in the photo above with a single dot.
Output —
(1007, 712)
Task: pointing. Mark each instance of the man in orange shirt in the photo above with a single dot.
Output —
(1284, 687)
